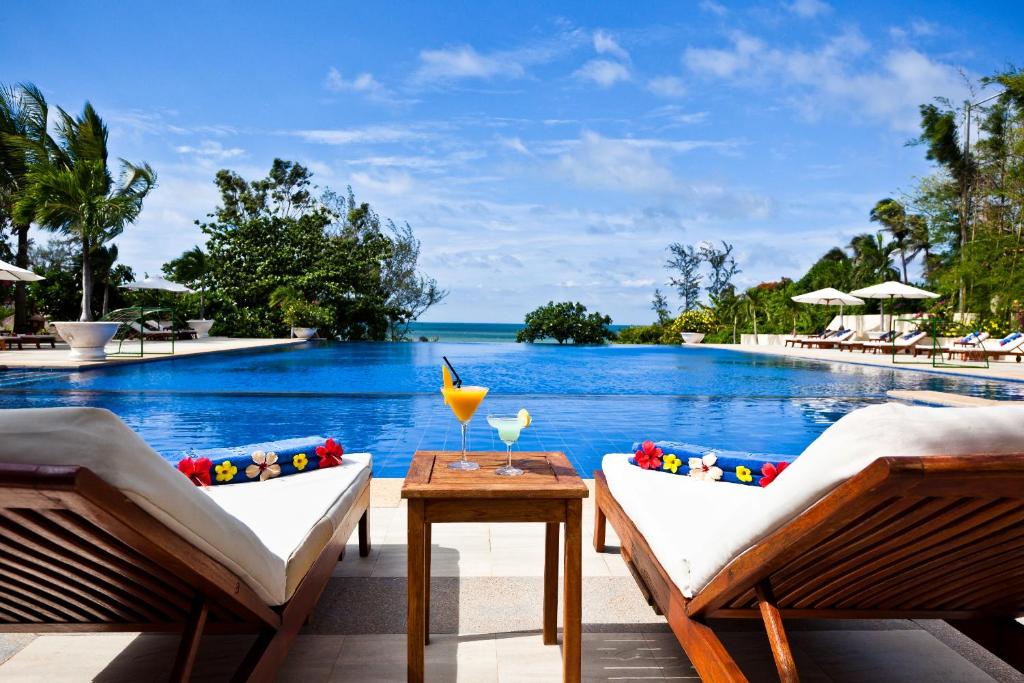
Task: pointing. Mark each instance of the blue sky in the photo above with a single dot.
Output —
(540, 151)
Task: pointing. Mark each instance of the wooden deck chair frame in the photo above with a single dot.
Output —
(76, 555)
(938, 537)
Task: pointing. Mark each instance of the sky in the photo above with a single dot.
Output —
(539, 150)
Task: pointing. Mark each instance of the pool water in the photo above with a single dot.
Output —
(384, 398)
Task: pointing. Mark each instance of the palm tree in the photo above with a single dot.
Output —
(891, 215)
(191, 269)
(73, 191)
(872, 259)
(23, 140)
(921, 240)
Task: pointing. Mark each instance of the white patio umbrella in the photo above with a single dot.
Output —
(16, 274)
(157, 282)
(829, 297)
(892, 290)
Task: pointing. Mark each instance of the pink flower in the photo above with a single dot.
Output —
(649, 456)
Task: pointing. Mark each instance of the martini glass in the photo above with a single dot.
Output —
(508, 431)
(463, 401)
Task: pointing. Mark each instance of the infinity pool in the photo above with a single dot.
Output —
(383, 398)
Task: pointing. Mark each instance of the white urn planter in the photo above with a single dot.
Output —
(202, 327)
(303, 332)
(87, 339)
(692, 337)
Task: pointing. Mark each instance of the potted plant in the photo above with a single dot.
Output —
(691, 326)
(302, 316)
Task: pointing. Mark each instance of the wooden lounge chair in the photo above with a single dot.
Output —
(866, 524)
(99, 533)
(37, 339)
(1010, 345)
(136, 330)
(830, 342)
(904, 343)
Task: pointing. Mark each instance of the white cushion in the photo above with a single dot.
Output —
(295, 516)
(98, 440)
(719, 523)
(680, 517)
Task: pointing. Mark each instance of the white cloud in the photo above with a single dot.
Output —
(843, 74)
(604, 44)
(724, 63)
(667, 86)
(364, 84)
(597, 162)
(465, 62)
(514, 144)
(713, 7)
(603, 72)
(808, 9)
(212, 150)
(365, 135)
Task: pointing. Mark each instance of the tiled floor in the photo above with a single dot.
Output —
(485, 621)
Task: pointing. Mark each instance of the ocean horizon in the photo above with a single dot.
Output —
(471, 332)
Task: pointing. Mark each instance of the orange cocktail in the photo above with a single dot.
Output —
(463, 401)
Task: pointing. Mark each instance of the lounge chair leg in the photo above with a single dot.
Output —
(600, 525)
(364, 533)
(1002, 637)
(776, 633)
(703, 648)
(189, 645)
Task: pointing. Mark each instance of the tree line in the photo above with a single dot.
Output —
(346, 270)
(958, 231)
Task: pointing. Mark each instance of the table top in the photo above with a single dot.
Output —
(547, 475)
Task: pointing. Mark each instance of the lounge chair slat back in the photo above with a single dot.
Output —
(937, 536)
(123, 567)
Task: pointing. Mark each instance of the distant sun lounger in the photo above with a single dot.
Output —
(19, 340)
(99, 533)
(894, 512)
(831, 341)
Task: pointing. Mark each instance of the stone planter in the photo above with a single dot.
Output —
(303, 332)
(202, 327)
(87, 339)
(692, 337)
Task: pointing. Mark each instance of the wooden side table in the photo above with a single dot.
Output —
(550, 492)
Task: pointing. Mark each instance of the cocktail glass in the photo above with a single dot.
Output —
(508, 431)
(463, 401)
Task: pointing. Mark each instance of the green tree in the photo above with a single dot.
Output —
(72, 191)
(191, 268)
(684, 264)
(24, 140)
(872, 259)
(723, 269)
(659, 304)
(891, 215)
(331, 249)
(564, 321)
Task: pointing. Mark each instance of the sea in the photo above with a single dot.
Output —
(471, 332)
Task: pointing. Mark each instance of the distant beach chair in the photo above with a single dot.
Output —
(1010, 345)
(894, 512)
(795, 339)
(901, 344)
(102, 534)
(830, 342)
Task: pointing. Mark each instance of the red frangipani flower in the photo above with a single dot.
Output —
(196, 469)
(330, 453)
(770, 471)
(649, 456)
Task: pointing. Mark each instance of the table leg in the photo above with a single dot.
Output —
(426, 583)
(551, 583)
(572, 611)
(416, 626)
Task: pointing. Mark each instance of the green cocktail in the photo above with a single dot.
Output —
(509, 429)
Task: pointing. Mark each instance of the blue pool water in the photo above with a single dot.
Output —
(383, 398)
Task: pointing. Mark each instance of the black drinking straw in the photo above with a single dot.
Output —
(458, 380)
